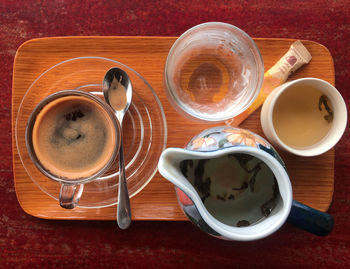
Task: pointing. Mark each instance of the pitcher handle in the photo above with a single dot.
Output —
(310, 219)
(70, 195)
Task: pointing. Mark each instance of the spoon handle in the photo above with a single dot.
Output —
(123, 208)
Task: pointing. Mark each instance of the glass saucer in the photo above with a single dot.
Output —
(144, 128)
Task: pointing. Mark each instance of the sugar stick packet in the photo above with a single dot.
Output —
(296, 56)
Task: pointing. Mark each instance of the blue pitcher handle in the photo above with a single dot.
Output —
(310, 219)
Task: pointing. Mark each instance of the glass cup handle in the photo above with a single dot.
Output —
(70, 195)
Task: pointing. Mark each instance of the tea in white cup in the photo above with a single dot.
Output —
(306, 117)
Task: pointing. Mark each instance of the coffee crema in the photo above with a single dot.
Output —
(73, 137)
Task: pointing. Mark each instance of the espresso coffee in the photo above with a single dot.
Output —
(74, 137)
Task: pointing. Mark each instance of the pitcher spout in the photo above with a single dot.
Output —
(169, 167)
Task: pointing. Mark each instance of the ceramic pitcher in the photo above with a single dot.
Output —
(232, 184)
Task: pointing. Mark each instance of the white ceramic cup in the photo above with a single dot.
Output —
(338, 124)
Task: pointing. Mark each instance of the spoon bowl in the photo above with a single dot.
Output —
(117, 91)
(117, 77)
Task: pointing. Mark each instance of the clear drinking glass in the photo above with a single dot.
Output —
(213, 72)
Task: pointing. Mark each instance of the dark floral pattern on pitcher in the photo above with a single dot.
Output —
(191, 211)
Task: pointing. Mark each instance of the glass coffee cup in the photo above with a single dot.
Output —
(72, 137)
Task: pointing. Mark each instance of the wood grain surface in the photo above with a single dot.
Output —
(147, 55)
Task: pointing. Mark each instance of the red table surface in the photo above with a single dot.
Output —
(29, 242)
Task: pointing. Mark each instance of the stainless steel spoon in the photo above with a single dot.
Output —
(117, 91)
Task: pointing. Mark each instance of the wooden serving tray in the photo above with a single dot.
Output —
(312, 178)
